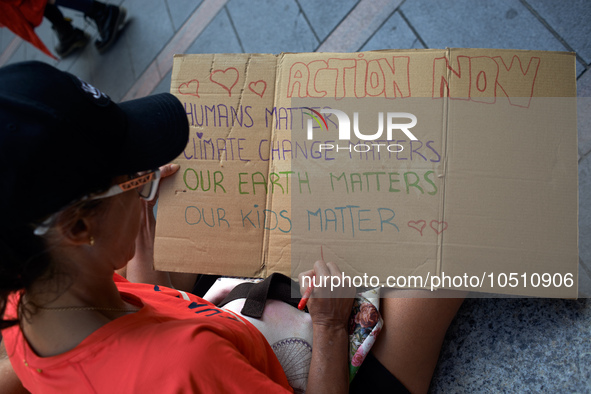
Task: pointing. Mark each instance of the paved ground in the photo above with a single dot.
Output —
(494, 345)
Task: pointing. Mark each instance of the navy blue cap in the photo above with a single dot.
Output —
(61, 138)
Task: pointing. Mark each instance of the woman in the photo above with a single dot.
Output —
(74, 216)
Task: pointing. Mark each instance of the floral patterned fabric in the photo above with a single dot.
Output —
(364, 326)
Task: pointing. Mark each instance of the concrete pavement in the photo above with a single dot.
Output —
(494, 345)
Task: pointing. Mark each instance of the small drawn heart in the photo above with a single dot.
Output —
(419, 225)
(190, 88)
(199, 134)
(435, 225)
(258, 87)
(227, 78)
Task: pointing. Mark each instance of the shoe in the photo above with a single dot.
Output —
(70, 38)
(108, 22)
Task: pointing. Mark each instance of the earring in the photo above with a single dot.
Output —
(91, 241)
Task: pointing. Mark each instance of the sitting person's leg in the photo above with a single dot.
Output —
(414, 329)
(70, 38)
(107, 18)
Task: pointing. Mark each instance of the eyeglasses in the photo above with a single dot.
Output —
(146, 184)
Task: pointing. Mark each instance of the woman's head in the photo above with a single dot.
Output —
(62, 141)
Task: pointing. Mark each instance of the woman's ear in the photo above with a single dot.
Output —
(75, 229)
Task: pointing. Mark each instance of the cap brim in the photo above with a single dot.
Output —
(157, 132)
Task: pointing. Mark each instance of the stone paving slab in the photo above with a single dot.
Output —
(515, 346)
(585, 209)
(584, 280)
(146, 16)
(180, 10)
(114, 70)
(164, 85)
(218, 37)
(20, 54)
(359, 25)
(393, 34)
(504, 24)
(6, 37)
(267, 26)
(325, 15)
(571, 20)
(584, 85)
(584, 125)
(584, 113)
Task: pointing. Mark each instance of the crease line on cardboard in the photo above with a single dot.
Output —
(269, 199)
(242, 90)
(443, 177)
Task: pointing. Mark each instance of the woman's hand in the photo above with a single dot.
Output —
(330, 309)
(328, 306)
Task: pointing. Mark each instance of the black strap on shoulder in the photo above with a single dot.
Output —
(203, 283)
(275, 287)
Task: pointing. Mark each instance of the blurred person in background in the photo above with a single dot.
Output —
(23, 16)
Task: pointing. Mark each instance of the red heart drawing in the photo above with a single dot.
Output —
(227, 78)
(437, 224)
(415, 225)
(186, 89)
(255, 87)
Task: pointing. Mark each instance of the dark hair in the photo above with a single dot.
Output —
(24, 256)
(23, 259)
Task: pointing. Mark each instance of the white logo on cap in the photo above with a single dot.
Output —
(94, 92)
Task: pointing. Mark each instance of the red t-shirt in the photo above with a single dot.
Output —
(176, 343)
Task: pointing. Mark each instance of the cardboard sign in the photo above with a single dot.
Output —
(483, 198)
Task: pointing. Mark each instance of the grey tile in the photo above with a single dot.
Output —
(584, 113)
(394, 34)
(20, 55)
(280, 28)
(478, 24)
(6, 37)
(584, 280)
(584, 125)
(164, 85)
(580, 69)
(584, 85)
(516, 345)
(570, 19)
(46, 34)
(112, 72)
(218, 37)
(180, 10)
(69, 63)
(83, 65)
(324, 16)
(585, 209)
(148, 31)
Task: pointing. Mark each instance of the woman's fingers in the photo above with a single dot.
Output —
(327, 279)
(307, 282)
(168, 169)
(331, 300)
(165, 171)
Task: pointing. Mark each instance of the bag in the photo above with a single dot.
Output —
(268, 305)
